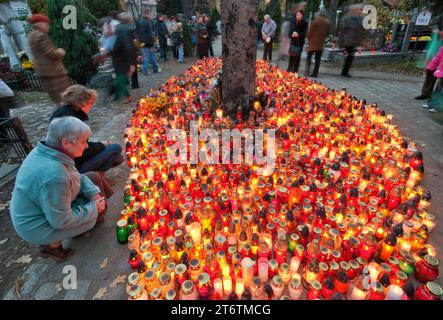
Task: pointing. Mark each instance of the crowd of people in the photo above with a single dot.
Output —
(296, 31)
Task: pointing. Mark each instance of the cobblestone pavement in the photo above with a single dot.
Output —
(99, 260)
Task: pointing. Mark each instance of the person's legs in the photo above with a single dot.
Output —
(180, 53)
(211, 49)
(270, 50)
(265, 51)
(318, 55)
(348, 62)
(134, 79)
(296, 63)
(145, 61)
(291, 63)
(99, 180)
(308, 63)
(428, 86)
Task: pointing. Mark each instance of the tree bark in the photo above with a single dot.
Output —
(333, 15)
(239, 52)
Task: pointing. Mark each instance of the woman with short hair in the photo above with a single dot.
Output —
(51, 200)
(99, 156)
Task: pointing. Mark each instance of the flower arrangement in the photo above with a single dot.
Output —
(28, 65)
(391, 47)
(155, 105)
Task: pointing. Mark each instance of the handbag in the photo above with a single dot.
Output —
(295, 51)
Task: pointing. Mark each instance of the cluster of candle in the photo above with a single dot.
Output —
(341, 216)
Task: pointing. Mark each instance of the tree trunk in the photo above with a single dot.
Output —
(239, 52)
(333, 15)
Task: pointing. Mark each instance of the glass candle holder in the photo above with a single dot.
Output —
(314, 290)
(426, 269)
(277, 286)
(188, 291)
(295, 289)
(429, 291)
(285, 273)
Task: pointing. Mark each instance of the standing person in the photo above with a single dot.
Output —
(172, 29)
(123, 62)
(177, 40)
(297, 33)
(146, 36)
(430, 79)
(202, 42)
(52, 201)
(163, 34)
(268, 33)
(318, 31)
(193, 23)
(350, 33)
(285, 41)
(126, 22)
(48, 59)
(210, 29)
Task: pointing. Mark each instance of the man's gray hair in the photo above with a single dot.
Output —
(69, 128)
(267, 16)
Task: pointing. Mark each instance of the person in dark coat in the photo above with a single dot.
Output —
(430, 80)
(297, 34)
(99, 156)
(127, 27)
(146, 36)
(210, 35)
(319, 30)
(123, 61)
(350, 36)
(163, 34)
(202, 39)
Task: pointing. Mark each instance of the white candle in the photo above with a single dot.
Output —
(195, 232)
(373, 272)
(219, 114)
(263, 269)
(268, 239)
(239, 287)
(247, 271)
(150, 173)
(405, 247)
(218, 287)
(295, 264)
(394, 292)
(227, 285)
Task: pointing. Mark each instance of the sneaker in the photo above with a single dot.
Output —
(426, 106)
(432, 110)
(159, 70)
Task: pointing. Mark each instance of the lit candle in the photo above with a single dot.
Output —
(263, 269)
(394, 293)
(358, 294)
(239, 287)
(218, 287)
(295, 264)
(193, 172)
(150, 173)
(219, 113)
(227, 285)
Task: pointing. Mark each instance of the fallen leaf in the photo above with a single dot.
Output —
(3, 241)
(100, 294)
(119, 280)
(24, 259)
(18, 285)
(104, 264)
(58, 287)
